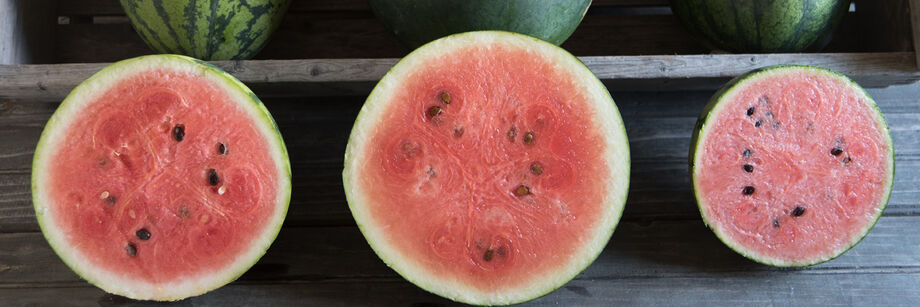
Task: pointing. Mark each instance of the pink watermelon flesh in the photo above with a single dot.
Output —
(122, 174)
(496, 186)
(795, 167)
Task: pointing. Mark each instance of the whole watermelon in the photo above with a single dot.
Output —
(206, 29)
(755, 26)
(418, 22)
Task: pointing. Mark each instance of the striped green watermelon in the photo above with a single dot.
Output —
(206, 29)
(754, 26)
(418, 22)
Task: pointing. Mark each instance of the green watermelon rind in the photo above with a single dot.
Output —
(418, 22)
(712, 108)
(205, 32)
(618, 147)
(713, 29)
(91, 88)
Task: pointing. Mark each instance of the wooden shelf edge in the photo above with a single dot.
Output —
(326, 77)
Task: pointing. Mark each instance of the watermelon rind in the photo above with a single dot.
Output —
(606, 117)
(213, 30)
(418, 22)
(714, 106)
(64, 119)
(753, 26)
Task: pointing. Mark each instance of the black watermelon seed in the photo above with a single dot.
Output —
(847, 160)
(487, 256)
(434, 111)
(536, 168)
(836, 151)
(512, 133)
(110, 200)
(746, 153)
(522, 190)
(748, 168)
(798, 211)
(221, 148)
(143, 234)
(758, 123)
(750, 111)
(131, 249)
(179, 132)
(212, 177)
(528, 138)
(776, 223)
(445, 97)
(748, 190)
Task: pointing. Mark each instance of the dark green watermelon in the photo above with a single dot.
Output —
(418, 22)
(755, 26)
(206, 29)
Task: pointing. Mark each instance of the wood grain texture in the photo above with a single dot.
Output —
(655, 261)
(354, 76)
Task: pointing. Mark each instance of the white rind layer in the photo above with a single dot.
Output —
(605, 117)
(63, 120)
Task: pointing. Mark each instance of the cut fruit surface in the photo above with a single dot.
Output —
(488, 167)
(160, 178)
(791, 165)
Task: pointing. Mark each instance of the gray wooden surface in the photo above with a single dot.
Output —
(660, 253)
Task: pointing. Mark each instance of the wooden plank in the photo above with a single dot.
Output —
(847, 289)
(678, 256)
(26, 31)
(658, 248)
(53, 82)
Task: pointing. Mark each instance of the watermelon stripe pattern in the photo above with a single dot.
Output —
(418, 22)
(206, 29)
(761, 26)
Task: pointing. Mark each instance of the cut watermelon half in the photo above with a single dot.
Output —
(160, 177)
(488, 167)
(791, 165)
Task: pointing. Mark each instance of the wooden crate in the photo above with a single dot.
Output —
(314, 77)
(338, 47)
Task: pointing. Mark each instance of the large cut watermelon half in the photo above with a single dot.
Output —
(791, 165)
(488, 167)
(761, 26)
(160, 178)
(206, 29)
(418, 22)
